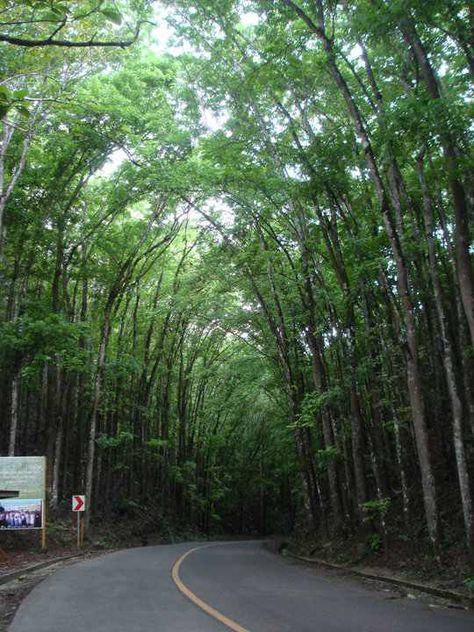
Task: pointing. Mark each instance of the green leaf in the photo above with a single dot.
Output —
(5, 93)
(60, 9)
(52, 16)
(22, 109)
(112, 15)
(20, 94)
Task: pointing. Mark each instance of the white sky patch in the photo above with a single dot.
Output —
(355, 173)
(163, 36)
(443, 69)
(331, 335)
(315, 124)
(115, 159)
(248, 307)
(354, 55)
(226, 213)
(213, 206)
(213, 121)
(137, 213)
(278, 126)
(295, 173)
(250, 19)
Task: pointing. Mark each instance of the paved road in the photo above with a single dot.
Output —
(132, 591)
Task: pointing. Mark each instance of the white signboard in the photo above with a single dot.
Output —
(22, 492)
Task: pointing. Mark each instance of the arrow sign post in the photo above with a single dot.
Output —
(78, 503)
(78, 506)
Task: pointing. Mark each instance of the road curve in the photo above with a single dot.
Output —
(133, 591)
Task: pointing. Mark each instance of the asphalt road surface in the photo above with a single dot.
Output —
(251, 588)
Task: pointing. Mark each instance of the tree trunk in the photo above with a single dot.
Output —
(96, 402)
(15, 389)
(460, 202)
(448, 362)
(413, 374)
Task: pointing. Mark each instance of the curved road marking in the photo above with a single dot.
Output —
(232, 625)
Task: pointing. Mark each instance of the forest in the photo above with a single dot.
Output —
(237, 288)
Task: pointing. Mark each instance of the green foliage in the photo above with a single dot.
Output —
(13, 99)
(197, 265)
(313, 403)
(469, 582)
(376, 509)
(32, 340)
(112, 14)
(67, 20)
(375, 542)
(157, 443)
(326, 456)
(121, 440)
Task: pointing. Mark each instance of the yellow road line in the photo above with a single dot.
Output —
(232, 625)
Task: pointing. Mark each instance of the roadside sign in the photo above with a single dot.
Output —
(78, 503)
(78, 506)
(23, 494)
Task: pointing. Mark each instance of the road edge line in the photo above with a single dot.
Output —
(187, 592)
(5, 578)
(465, 600)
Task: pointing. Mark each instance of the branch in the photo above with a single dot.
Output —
(18, 170)
(50, 41)
(318, 30)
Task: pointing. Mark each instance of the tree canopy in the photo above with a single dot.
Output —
(237, 283)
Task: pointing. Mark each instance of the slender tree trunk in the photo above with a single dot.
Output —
(320, 383)
(357, 451)
(7, 188)
(460, 201)
(413, 374)
(14, 413)
(448, 362)
(96, 402)
(54, 499)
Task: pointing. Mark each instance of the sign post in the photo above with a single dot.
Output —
(44, 533)
(78, 506)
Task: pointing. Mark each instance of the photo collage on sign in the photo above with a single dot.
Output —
(21, 514)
